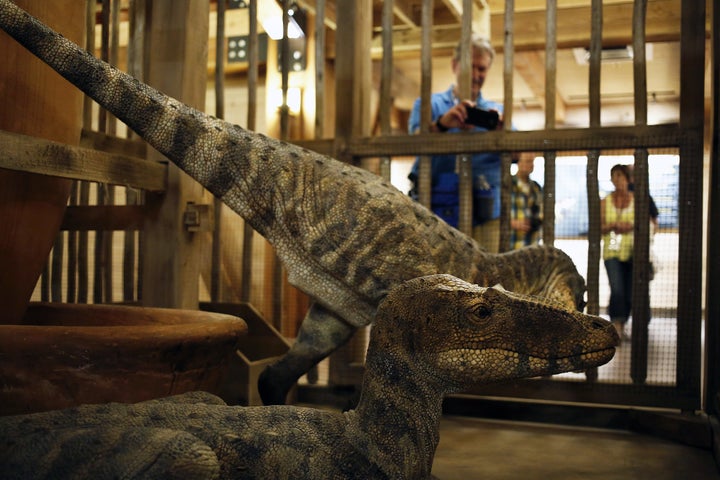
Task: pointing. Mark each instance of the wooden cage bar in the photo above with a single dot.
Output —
(424, 180)
(689, 309)
(248, 233)
(712, 324)
(464, 160)
(549, 187)
(508, 99)
(386, 76)
(641, 277)
(219, 81)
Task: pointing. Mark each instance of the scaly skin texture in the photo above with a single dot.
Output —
(433, 335)
(345, 236)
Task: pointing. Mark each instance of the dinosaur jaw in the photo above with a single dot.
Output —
(476, 367)
(571, 363)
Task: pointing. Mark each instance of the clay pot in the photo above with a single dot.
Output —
(64, 355)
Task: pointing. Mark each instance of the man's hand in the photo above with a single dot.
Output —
(457, 116)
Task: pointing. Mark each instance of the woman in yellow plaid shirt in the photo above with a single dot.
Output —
(617, 218)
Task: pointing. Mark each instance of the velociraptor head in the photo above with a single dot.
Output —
(467, 335)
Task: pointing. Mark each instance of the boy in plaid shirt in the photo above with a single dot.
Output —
(526, 205)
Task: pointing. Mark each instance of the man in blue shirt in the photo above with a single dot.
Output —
(449, 114)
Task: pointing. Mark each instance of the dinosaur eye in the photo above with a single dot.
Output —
(481, 312)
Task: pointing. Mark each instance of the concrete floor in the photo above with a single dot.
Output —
(472, 448)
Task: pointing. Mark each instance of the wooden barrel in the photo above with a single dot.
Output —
(37, 102)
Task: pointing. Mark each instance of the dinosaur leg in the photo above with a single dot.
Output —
(321, 333)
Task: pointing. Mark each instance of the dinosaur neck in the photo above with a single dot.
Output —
(410, 409)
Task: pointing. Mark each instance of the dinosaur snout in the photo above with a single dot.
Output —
(597, 323)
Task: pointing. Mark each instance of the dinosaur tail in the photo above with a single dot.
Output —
(188, 137)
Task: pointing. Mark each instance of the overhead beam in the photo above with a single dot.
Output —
(407, 12)
(330, 12)
(480, 14)
(498, 6)
(528, 65)
(573, 29)
(401, 85)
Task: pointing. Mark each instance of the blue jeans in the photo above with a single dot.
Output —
(620, 279)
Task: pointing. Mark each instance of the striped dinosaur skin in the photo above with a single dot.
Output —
(344, 235)
(433, 335)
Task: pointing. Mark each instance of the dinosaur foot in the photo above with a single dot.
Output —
(271, 387)
(312, 375)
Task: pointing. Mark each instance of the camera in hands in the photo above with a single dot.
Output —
(488, 119)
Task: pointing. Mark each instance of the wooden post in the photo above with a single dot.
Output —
(352, 120)
(353, 67)
(178, 44)
(464, 160)
(690, 203)
(38, 102)
(424, 180)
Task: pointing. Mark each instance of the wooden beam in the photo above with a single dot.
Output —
(30, 154)
(570, 139)
(566, 139)
(104, 217)
(111, 144)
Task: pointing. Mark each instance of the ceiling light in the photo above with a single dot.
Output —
(270, 16)
(611, 54)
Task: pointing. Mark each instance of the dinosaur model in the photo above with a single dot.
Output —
(432, 335)
(344, 235)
